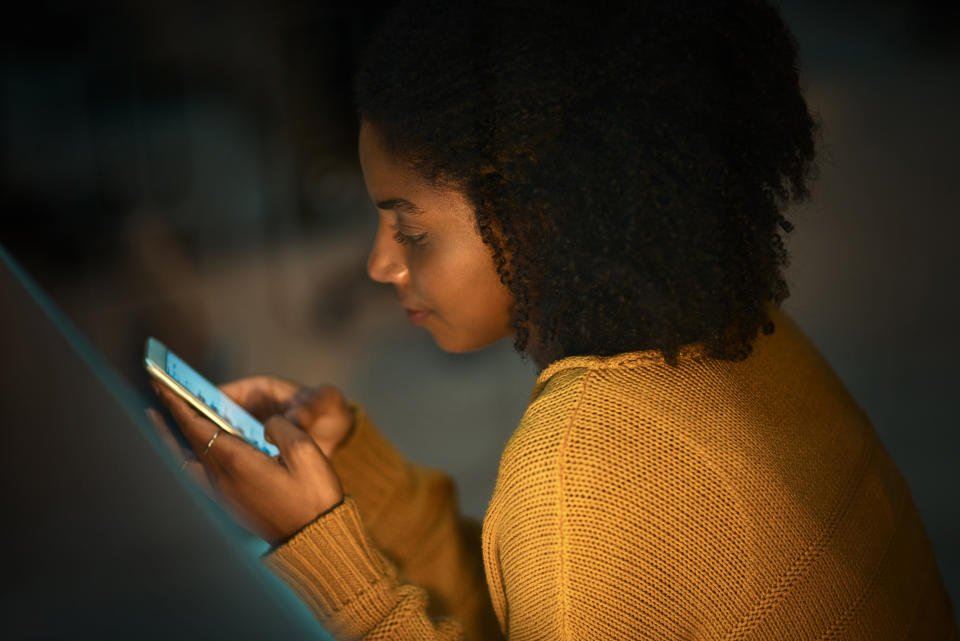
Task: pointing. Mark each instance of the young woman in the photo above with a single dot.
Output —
(608, 188)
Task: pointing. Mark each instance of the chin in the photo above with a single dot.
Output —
(460, 345)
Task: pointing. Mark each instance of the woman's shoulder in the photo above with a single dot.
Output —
(696, 373)
(779, 396)
(581, 405)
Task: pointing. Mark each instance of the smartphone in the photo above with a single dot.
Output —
(170, 370)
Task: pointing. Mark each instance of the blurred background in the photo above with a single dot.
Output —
(188, 170)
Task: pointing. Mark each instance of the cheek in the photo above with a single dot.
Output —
(465, 292)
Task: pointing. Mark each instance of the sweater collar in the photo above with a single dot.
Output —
(646, 358)
(630, 360)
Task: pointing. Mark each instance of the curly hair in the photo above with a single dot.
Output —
(629, 169)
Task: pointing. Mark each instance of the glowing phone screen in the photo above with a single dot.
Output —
(208, 393)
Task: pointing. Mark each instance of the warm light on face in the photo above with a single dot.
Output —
(428, 247)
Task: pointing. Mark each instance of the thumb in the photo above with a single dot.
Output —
(262, 396)
(297, 449)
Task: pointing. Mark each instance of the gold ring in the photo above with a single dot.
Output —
(212, 439)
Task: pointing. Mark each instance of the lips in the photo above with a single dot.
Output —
(417, 316)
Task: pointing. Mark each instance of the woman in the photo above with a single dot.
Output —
(608, 189)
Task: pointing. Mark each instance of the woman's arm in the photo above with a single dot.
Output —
(410, 513)
(297, 502)
(356, 592)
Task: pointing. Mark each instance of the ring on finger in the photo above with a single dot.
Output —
(212, 439)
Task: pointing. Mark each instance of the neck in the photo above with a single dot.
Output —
(541, 354)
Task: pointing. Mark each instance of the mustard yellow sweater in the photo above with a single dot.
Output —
(717, 500)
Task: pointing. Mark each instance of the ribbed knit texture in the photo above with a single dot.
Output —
(635, 500)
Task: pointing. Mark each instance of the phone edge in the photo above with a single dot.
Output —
(185, 394)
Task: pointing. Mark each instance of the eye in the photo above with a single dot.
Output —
(409, 239)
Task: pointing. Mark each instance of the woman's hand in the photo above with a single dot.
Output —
(274, 498)
(322, 412)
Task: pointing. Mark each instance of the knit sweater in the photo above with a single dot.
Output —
(638, 500)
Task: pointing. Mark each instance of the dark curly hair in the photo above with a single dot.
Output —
(628, 168)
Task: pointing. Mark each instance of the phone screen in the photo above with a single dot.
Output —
(247, 426)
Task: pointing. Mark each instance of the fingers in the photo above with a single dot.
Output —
(297, 449)
(224, 455)
(326, 397)
(310, 403)
(273, 500)
(261, 396)
(190, 465)
(325, 416)
(321, 411)
(197, 428)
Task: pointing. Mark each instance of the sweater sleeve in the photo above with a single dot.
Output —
(395, 556)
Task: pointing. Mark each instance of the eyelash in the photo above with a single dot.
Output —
(407, 239)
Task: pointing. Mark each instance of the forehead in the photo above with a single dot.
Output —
(383, 173)
(388, 178)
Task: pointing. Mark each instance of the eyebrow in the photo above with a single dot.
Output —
(401, 204)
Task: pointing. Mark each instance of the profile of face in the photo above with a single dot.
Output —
(428, 247)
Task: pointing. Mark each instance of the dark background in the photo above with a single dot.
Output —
(188, 170)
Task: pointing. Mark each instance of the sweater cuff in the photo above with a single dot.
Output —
(337, 571)
(369, 467)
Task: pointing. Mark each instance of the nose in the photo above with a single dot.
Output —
(386, 264)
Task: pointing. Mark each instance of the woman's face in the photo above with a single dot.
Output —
(429, 249)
